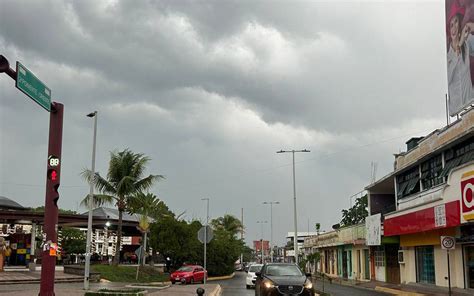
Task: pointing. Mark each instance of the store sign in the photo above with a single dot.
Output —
(467, 198)
(373, 228)
(440, 215)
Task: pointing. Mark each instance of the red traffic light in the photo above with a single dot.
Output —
(52, 175)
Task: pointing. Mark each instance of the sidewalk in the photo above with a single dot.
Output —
(76, 290)
(30, 277)
(399, 289)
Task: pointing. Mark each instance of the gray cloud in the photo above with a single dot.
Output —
(210, 90)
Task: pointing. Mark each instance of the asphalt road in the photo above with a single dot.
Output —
(236, 287)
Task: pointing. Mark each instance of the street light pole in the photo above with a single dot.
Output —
(205, 238)
(271, 203)
(295, 238)
(261, 236)
(90, 205)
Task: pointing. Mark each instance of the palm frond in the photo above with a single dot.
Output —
(99, 182)
(145, 183)
(97, 200)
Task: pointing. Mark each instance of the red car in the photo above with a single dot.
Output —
(189, 274)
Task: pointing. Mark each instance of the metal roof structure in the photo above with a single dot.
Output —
(6, 203)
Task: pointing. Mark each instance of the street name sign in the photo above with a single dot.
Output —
(201, 234)
(31, 86)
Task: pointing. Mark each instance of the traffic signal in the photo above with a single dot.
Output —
(54, 167)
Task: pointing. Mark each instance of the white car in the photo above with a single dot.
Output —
(251, 277)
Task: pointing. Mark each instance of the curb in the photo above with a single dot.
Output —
(149, 287)
(353, 286)
(218, 278)
(397, 292)
(37, 281)
(217, 291)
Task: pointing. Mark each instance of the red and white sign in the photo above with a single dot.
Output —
(444, 216)
(467, 198)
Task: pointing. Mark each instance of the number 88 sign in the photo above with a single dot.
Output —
(53, 161)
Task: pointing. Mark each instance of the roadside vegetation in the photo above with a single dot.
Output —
(126, 274)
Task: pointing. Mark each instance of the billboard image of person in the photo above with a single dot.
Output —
(460, 53)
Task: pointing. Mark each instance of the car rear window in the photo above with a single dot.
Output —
(255, 268)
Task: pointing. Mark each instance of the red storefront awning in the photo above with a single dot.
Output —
(422, 220)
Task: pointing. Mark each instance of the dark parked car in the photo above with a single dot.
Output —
(283, 279)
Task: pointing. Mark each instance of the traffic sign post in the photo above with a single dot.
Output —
(204, 236)
(448, 243)
(31, 86)
(53, 175)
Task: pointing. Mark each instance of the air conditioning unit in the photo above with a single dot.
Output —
(401, 257)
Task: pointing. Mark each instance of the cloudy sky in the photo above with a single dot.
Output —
(210, 90)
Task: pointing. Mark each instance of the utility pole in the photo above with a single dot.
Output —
(271, 203)
(295, 239)
(242, 236)
(90, 206)
(261, 237)
(205, 239)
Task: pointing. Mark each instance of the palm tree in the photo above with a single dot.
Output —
(124, 180)
(228, 223)
(146, 205)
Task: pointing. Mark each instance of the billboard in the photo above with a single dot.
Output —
(460, 53)
(257, 245)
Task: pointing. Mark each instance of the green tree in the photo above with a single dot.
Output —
(223, 252)
(177, 239)
(228, 223)
(73, 241)
(125, 178)
(357, 213)
(144, 205)
(61, 211)
(248, 254)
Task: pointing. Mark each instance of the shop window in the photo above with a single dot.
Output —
(425, 269)
(379, 258)
(431, 172)
(408, 183)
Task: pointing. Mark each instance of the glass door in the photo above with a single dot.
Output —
(469, 253)
(425, 270)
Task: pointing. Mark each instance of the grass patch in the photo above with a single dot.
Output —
(322, 293)
(126, 274)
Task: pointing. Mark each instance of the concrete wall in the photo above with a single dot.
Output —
(408, 269)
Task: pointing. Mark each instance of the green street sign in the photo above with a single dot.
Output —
(31, 86)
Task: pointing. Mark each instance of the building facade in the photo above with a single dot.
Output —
(429, 195)
(343, 252)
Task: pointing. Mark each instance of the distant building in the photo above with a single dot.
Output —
(289, 253)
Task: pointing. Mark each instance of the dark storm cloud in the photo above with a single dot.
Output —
(210, 90)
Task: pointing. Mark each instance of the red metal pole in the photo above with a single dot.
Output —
(48, 263)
